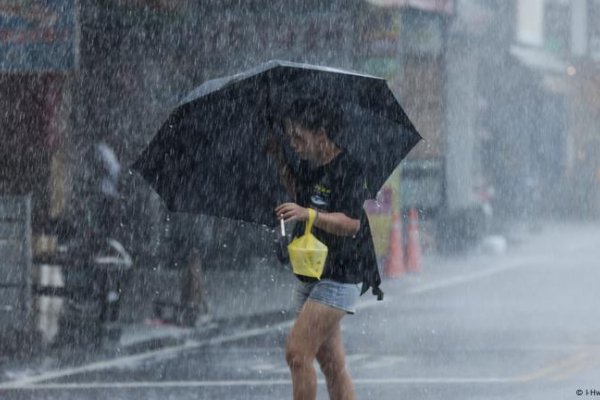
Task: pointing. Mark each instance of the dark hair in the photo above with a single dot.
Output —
(315, 114)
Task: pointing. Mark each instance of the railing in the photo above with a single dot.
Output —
(15, 263)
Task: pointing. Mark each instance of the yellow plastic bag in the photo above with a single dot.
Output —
(307, 253)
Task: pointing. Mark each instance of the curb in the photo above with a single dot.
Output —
(166, 335)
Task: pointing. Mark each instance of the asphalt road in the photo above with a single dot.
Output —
(522, 325)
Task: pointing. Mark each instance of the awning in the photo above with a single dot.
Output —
(539, 59)
(440, 6)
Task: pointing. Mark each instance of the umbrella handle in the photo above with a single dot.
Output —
(282, 227)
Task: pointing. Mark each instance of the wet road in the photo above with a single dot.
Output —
(523, 325)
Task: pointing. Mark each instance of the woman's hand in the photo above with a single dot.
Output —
(336, 223)
(291, 212)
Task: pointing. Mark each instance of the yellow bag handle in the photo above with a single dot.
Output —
(312, 216)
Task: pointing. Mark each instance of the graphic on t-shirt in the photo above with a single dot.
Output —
(321, 196)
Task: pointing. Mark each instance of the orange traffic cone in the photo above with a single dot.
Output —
(413, 248)
(394, 264)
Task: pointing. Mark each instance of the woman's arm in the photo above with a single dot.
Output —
(336, 223)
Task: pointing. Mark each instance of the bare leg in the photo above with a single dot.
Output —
(333, 364)
(316, 322)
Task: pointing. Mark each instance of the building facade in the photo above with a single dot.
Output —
(558, 40)
(38, 58)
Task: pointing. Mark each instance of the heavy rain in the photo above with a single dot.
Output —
(371, 199)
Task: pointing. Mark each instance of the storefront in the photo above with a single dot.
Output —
(37, 55)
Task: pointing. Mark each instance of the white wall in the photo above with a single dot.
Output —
(530, 22)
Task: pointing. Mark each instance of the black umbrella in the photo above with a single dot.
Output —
(209, 158)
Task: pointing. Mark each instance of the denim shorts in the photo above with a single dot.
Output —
(342, 296)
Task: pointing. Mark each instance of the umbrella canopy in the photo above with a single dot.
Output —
(209, 158)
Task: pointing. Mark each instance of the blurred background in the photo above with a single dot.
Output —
(505, 93)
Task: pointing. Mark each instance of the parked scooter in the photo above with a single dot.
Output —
(94, 283)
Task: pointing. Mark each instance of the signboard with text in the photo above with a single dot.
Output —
(38, 36)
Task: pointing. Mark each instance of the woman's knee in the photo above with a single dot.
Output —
(297, 357)
(314, 325)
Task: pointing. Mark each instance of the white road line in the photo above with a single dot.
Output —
(458, 280)
(264, 382)
(130, 360)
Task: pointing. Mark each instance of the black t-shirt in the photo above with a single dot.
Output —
(339, 186)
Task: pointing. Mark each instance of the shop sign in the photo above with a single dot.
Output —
(422, 33)
(473, 17)
(379, 42)
(38, 36)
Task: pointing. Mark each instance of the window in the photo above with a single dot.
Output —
(557, 27)
(594, 28)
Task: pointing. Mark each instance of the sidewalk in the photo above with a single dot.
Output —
(262, 292)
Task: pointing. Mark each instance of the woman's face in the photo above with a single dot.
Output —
(305, 142)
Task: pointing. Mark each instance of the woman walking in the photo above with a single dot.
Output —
(329, 181)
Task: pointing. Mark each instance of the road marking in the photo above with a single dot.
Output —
(557, 366)
(129, 361)
(263, 382)
(458, 280)
(566, 367)
(363, 361)
(379, 362)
